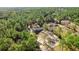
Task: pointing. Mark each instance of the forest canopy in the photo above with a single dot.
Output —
(16, 35)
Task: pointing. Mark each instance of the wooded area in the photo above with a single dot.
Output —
(39, 29)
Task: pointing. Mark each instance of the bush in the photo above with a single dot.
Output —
(5, 43)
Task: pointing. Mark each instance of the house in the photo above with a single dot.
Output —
(35, 28)
(51, 26)
(65, 22)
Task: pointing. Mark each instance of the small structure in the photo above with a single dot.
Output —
(65, 22)
(35, 28)
(51, 26)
